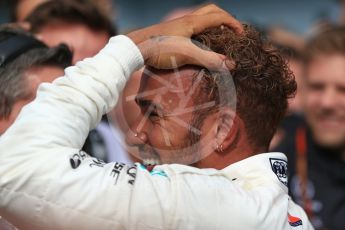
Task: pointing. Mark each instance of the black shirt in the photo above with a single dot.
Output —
(326, 177)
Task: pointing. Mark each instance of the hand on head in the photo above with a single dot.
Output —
(168, 45)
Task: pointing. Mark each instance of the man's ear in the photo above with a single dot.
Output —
(227, 128)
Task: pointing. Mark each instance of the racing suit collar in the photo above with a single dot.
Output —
(262, 168)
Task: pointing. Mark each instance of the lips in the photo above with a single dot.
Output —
(149, 156)
(330, 122)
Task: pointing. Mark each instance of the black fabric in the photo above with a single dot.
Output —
(326, 175)
(15, 45)
(95, 145)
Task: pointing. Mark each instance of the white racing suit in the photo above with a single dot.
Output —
(46, 182)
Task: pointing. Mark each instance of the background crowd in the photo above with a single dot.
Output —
(310, 35)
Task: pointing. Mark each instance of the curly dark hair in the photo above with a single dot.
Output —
(261, 77)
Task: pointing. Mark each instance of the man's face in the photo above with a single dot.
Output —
(325, 99)
(167, 103)
(34, 77)
(82, 41)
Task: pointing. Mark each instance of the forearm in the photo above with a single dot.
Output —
(35, 152)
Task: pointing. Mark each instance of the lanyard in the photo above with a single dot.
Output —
(302, 168)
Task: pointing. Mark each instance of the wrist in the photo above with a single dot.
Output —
(143, 43)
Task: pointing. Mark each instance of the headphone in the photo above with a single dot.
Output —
(15, 45)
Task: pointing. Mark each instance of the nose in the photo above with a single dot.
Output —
(328, 99)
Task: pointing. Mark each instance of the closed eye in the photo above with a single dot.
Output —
(148, 108)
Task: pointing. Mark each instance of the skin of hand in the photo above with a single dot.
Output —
(160, 42)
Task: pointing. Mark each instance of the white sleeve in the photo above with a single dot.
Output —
(46, 182)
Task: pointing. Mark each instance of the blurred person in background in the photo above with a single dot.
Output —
(25, 63)
(78, 23)
(316, 148)
(85, 29)
(20, 9)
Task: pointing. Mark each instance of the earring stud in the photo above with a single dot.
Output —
(220, 148)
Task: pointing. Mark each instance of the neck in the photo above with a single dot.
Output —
(237, 152)
(220, 161)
